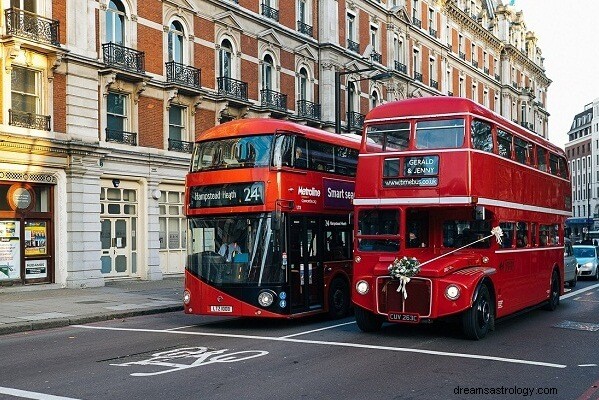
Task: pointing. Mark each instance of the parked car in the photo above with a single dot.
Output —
(587, 258)
(570, 265)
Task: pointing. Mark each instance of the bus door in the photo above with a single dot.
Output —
(305, 265)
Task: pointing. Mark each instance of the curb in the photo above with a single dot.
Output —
(8, 329)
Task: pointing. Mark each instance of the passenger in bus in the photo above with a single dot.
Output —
(229, 250)
(413, 240)
(300, 159)
(521, 240)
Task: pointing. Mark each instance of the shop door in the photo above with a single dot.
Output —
(305, 264)
(116, 249)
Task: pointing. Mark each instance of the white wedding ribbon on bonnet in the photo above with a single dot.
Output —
(403, 281)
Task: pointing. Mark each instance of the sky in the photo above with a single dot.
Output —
(568, 33)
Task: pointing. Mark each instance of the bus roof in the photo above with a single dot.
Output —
(439, 105)
(253, 126)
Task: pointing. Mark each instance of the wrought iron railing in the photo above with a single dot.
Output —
(401, 67)
(417, 22)
(418, 76)
(304, 28)
(271, 99)
(432, 32)
(232, 88)
(515, 85)
(434, 84)
(376, 57)
(28, 120)
(183, 74)
(475, 63)
(497, 77)
(270, 12)
(486, 70)
(180, 146)
(353, 46)
(124, 57)
(308, 109)
(462, 55)
(528, 125)
(355, 120)
(31, 26)
(113, 135)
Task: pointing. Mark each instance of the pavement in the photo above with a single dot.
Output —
(36, 307)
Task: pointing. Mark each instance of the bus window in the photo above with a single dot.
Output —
(508, 234)
(417, 228)
(548, 235)
(562, 167)
(541, 158)
(232, 153)
(346, 161)
(337, 246)
(521, 234)
(300, 156)
(459, 233)
(378, 223)
(554, 164)
(440, 134)
(390, 137)
(504, 142)
(391, 167)
(533, 234)
(521, 150)
(481, 136)
(321, 156)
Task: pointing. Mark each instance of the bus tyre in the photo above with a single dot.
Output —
(480, 318)
(339, 300)
(367, 321)
(553, 301)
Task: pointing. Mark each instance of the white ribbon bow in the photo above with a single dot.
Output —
(403, 281)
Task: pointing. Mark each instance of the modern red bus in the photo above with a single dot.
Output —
(440, 173)
(269, 209)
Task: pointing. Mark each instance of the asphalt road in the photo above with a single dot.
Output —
(545, 355)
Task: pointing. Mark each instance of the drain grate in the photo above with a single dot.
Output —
(579, 326)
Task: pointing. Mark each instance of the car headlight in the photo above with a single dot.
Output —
(452, 292)
(589, 264)
(265, 298)
(362, 287)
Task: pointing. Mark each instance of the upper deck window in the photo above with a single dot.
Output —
(481, 136)
(246, 151)
(389, 137)
(504, 141)
(439, 134)
(521, 150)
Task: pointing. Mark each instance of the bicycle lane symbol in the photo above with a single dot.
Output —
(174, 360)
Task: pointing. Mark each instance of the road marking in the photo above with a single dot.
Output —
(180, 327)
(317, 330)
(576, 293)
(587, 365)
(335, 344)
(32, 395)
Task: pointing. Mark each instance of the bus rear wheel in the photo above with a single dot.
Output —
(479, 319)
(553, 301)
(367, 321)
(339, 300)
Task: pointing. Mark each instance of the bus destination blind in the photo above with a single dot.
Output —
(232, 194)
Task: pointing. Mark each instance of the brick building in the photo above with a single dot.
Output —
(102, 99)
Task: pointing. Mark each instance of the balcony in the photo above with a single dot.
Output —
(416, 22)
(232, 88)
(30, 26)
(401, 67)
(376, 57)
(308, 109)
(124, 58)
(113, 135)
(432, 32)
(355, 121)
(418, 76)
(273, 100)
(304, 28)
(462, 55)
(180, 146)
(528, 125)
(497, 77)
(434, 84)
(353, 46)
(270, 12)
(475, 63)
(515, 85)
(486, 70)
(28, 120)
(186, 76)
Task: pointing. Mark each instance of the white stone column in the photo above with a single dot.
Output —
(153, 271)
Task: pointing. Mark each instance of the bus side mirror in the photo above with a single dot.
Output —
(275, 220)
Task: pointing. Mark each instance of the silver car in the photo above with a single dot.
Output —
(587, 258)
(570, 265)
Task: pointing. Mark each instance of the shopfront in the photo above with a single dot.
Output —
(26, 232)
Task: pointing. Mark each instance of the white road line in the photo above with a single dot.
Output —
(31, 395)
(580, 291)
(317, 330)
(180, 327)
(337, 344)
(587, 365)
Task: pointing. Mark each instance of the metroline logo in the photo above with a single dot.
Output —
(312, 192)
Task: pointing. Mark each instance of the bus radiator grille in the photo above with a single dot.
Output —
(418, 301)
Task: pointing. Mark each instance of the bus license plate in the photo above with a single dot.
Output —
(221, 308)
(403, 317)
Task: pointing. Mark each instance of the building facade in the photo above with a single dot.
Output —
(102, 100)
(582, 151)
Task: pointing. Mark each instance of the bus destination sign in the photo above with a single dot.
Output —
(231, 194)
(421, 166)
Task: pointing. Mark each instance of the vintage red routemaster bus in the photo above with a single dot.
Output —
(269, 209)
(438, 175)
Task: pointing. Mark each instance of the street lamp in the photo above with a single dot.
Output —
(338, 90)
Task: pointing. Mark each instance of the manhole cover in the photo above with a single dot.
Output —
(579, 326)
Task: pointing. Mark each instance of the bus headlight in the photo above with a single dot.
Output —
(362, 287)
(265, 298)
(452, 292)
(186, 297)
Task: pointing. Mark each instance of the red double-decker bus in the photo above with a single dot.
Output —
(438, 175)
(269, 211)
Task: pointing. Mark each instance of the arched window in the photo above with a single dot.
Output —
(351, 97)
(303, 84)
(115, 22)
(225, 58)
(27, 5)
(374, 99)
(175, 42)
(267, 72)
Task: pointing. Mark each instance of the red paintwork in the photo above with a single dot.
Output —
(518, 277)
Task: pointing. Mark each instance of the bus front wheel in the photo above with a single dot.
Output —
(553, 301)
(339, 300)
(479, 319)
(367, 321)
